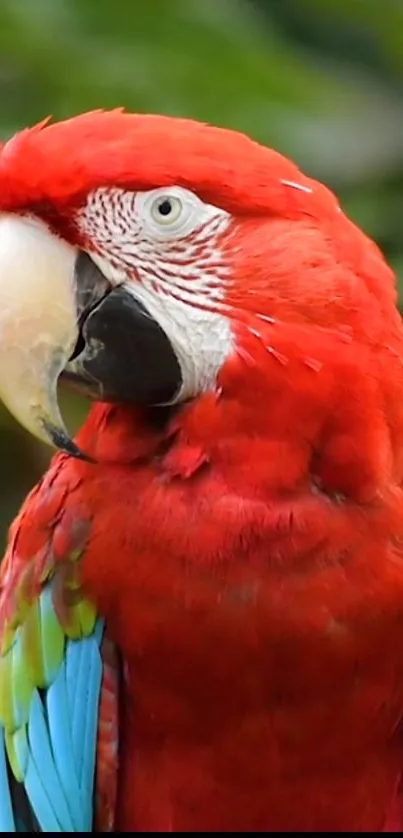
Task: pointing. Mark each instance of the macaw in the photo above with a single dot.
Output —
(201, 602)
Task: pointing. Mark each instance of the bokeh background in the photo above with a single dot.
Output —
(321, 80)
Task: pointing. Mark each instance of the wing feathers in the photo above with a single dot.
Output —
(54, 754)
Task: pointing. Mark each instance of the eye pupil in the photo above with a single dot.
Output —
(165, 207)
(166, 210)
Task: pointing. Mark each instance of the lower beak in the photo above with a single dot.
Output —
(60, 317)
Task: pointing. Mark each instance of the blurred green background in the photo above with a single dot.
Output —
(321, 80)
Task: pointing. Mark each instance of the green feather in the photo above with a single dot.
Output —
(23, 682)
(18, 751)
(52, 638)
(31, 643)
(6, 696)
(83, 620)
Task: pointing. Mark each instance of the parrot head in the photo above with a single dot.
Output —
(150, 259)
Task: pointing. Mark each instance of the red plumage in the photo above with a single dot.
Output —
(245, 550)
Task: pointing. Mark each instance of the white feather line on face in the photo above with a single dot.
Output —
(201, 339)
(180, 280)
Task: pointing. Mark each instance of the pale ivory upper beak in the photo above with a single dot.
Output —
(38, 324)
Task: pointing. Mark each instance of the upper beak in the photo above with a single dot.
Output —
(59, 316)
(38, 324)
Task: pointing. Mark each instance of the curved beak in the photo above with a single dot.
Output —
(38, 324)
(60, 317)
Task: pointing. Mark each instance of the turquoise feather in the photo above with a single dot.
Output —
(7, 823)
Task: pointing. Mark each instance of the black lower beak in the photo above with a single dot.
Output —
(122, 354)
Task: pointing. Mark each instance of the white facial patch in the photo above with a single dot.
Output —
(165, 246)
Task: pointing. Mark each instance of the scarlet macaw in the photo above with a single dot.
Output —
(202, 601)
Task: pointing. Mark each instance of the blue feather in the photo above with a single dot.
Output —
(7, 823)
(60, 736)
(39, 800)
(83, 661)
(76, 679)
(93, 686)
(41, 757)
(59, 752)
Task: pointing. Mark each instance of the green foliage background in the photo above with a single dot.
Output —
(321, 80)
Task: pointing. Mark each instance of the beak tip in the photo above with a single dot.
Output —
(61, 440)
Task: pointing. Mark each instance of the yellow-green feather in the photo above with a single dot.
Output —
(17, 751)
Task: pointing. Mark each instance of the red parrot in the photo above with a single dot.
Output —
(202, 601)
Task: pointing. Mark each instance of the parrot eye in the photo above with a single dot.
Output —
(166, 210)
(170, 213)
